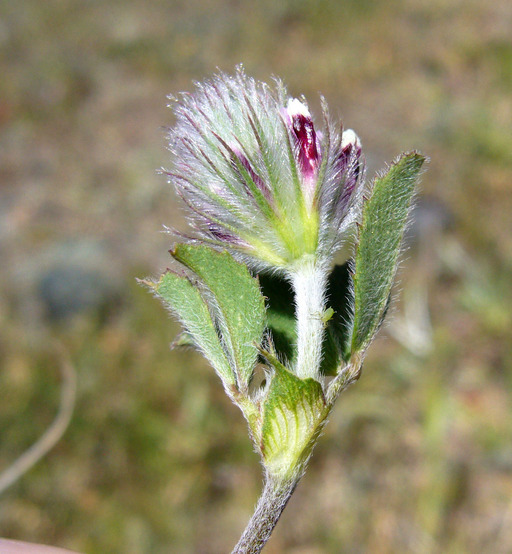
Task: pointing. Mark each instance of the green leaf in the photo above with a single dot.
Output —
(294, 411)
(235, 298)
(380, 236)
(185, 300)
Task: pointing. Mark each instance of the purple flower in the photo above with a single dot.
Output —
(307, 146)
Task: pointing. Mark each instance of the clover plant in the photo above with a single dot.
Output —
(272, 198)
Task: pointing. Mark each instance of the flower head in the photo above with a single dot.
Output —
(258, 177)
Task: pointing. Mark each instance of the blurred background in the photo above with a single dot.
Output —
(418, 455)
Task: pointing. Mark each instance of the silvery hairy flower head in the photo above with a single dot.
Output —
(258, 175)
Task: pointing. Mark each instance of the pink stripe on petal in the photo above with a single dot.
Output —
(299, 119)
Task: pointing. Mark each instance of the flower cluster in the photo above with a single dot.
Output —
(257, 175)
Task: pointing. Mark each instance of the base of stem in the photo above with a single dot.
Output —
(270, 506)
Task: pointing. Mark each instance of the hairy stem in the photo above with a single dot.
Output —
(309, 284)
(270, 506)
(346, 377)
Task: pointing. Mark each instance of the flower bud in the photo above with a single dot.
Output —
(306, 142)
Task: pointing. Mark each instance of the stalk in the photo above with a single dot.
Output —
(271, 504)
(309, 282)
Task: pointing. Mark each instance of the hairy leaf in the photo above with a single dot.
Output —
(235, 298)
(185, 300)
(383, 224)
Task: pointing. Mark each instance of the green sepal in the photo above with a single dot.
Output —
(186, 302)
(383, 223)
(294, 411)
(234, 296)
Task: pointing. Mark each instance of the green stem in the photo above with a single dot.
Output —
(270, 506)
(309, 282)
(346, 377)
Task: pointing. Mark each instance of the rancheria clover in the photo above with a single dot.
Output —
(268, 193)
